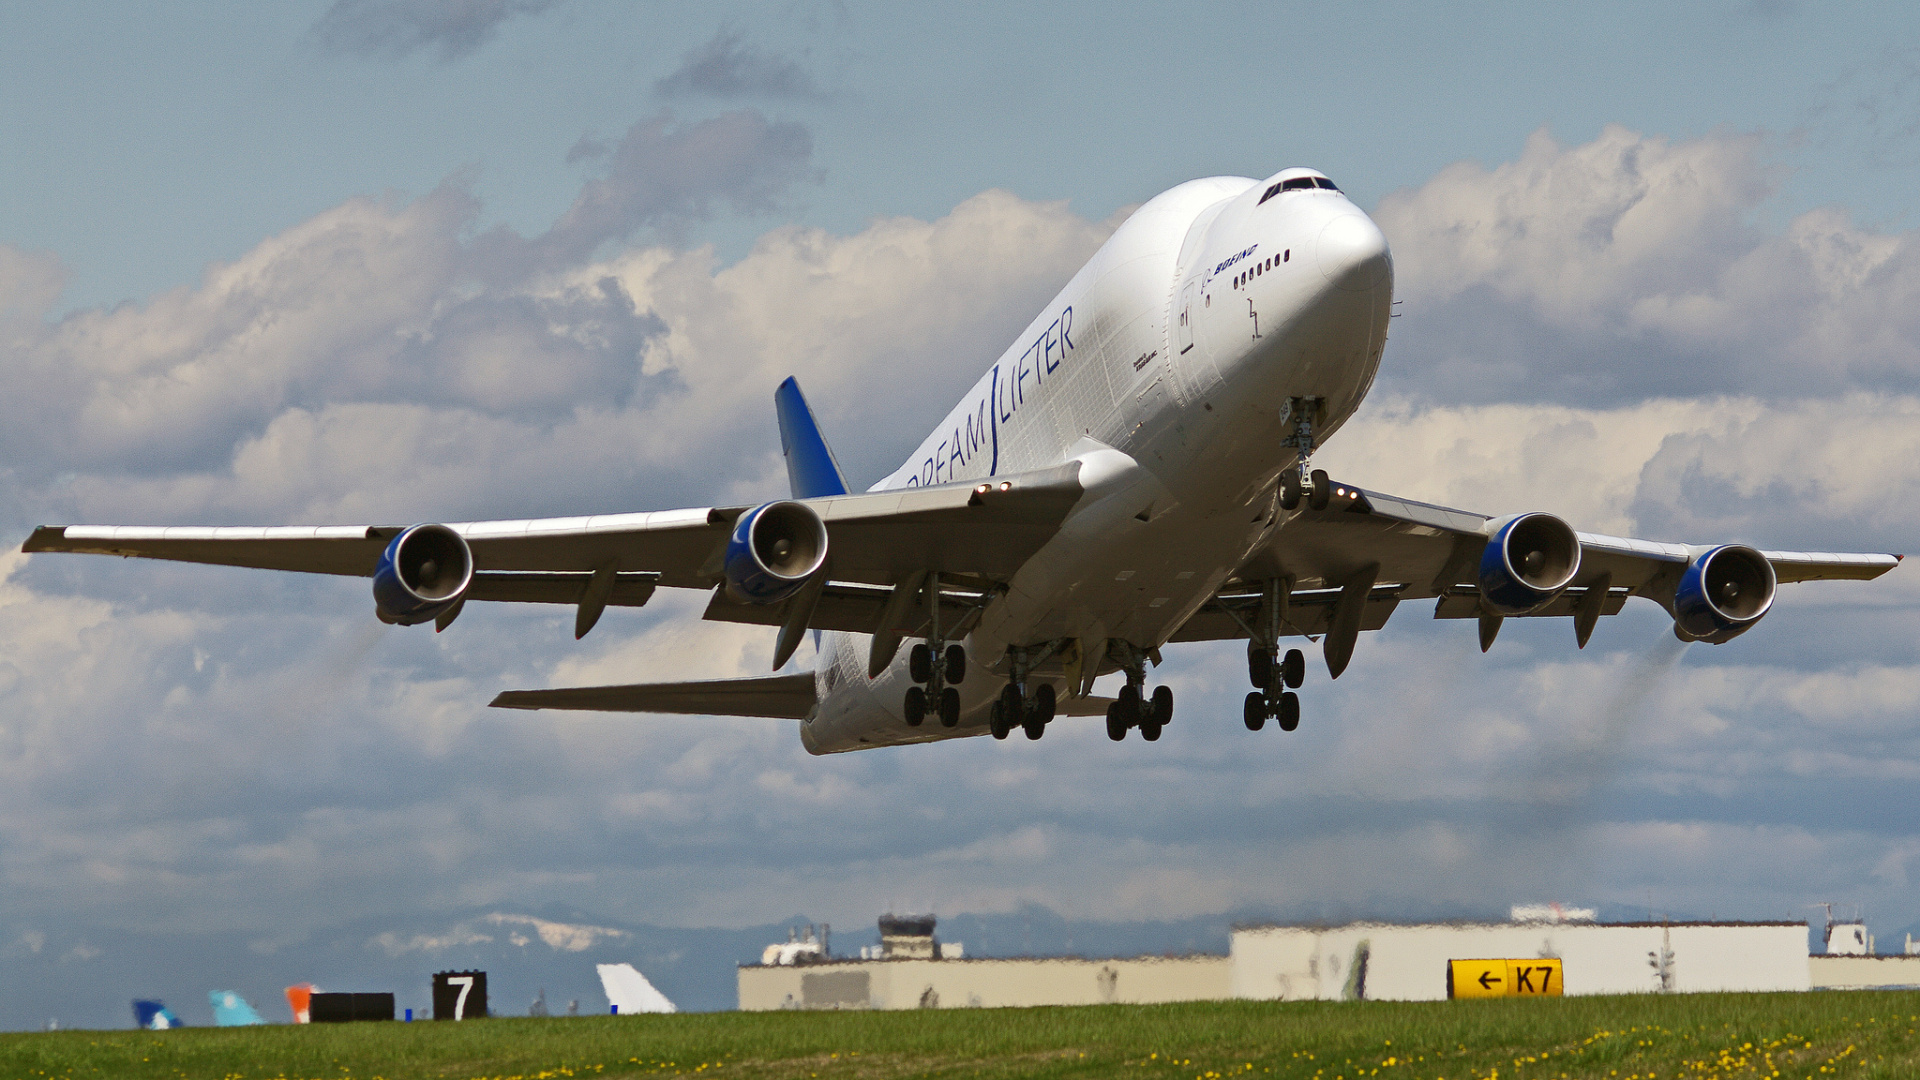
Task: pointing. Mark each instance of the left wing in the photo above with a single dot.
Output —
(1352, 562)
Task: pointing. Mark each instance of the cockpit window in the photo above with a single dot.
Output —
(1298, 183)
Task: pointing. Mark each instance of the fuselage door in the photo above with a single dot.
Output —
(1185, 318)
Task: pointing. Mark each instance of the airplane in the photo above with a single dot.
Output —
(1133, 472)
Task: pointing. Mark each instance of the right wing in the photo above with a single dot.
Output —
(974, 535)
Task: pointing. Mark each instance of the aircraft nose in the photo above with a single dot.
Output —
(1353, 253)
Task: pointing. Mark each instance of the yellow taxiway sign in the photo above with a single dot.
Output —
(1540, 977)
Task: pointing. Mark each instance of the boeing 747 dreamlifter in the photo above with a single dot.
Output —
(1133, 472)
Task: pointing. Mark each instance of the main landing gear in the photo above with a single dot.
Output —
(934, 678)
(1132, 707)
(1015, 707)
(1275, 698)
(1274, 678)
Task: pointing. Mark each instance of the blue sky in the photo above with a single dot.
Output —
(390, 261)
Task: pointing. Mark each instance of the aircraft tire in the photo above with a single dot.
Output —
(1149, 731)
(915, 706)
(1034, 727)
(1289, 489)
(1044, 703)
(1162, 706)
(1322, 490)
(949, 707)
(956, 664)
(1259, 664)
(1256, 711)
(1289, 711)
(997, 721)
(1293, 670)
(920, 663)
(1116, 730)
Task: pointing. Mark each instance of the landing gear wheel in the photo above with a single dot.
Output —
(1116, 728)
(956, 664)
(1034, 726)
(1290, 489)
(1013, 704)
(1128, 704)
(920, 663)
(915, 706)
(997, 721)
(1289, 711)
(1256, 711)
(1162, 706)
(1322, 490)
(1259, 664)
(949, 707)
(1043, 703)
(1293, 670)
(1149, 731)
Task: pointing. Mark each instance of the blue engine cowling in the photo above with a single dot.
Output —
(1528, 562)
(1722, 594)
(774, 549)
(424, 571)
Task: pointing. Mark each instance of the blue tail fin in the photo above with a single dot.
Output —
(811, 468)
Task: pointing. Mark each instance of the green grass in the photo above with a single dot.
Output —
(1690, 1037)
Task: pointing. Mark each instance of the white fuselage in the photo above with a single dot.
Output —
(1165, 366)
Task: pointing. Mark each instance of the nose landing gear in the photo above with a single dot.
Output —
(1303, 479)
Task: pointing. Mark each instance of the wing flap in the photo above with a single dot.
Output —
(558, 587)
(785, 697)
(1309, 613)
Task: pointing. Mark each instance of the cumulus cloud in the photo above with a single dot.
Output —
(1634, 266)
(392, 29)
(728, 67)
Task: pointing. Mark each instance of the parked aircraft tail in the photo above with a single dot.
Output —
(812, 469)
(629, 992)
(232, 1010)
(154, 1015)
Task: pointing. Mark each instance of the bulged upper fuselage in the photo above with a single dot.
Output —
(1165, 366)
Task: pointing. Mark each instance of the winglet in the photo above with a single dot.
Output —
(811, 468)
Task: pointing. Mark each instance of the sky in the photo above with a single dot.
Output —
(386, 260)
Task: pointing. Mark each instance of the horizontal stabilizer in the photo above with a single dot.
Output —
(788, 697)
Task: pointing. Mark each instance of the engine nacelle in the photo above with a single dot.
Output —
(774, 549)
(1527, 563)
(1722, 594)
(424, 571)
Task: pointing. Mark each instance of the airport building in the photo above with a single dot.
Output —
(911, 969)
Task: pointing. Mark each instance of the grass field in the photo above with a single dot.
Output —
(1691, 1037)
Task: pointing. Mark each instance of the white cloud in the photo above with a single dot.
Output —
(1632, 266)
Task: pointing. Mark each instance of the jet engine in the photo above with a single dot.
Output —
(774, 549)
(1722, 594)
(1526, 564)
(424, 571)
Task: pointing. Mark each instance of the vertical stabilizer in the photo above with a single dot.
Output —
(811, 468)
(629, 991)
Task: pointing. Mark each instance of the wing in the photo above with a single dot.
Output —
(788, 697)
(974, 535)
(1379, 549)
